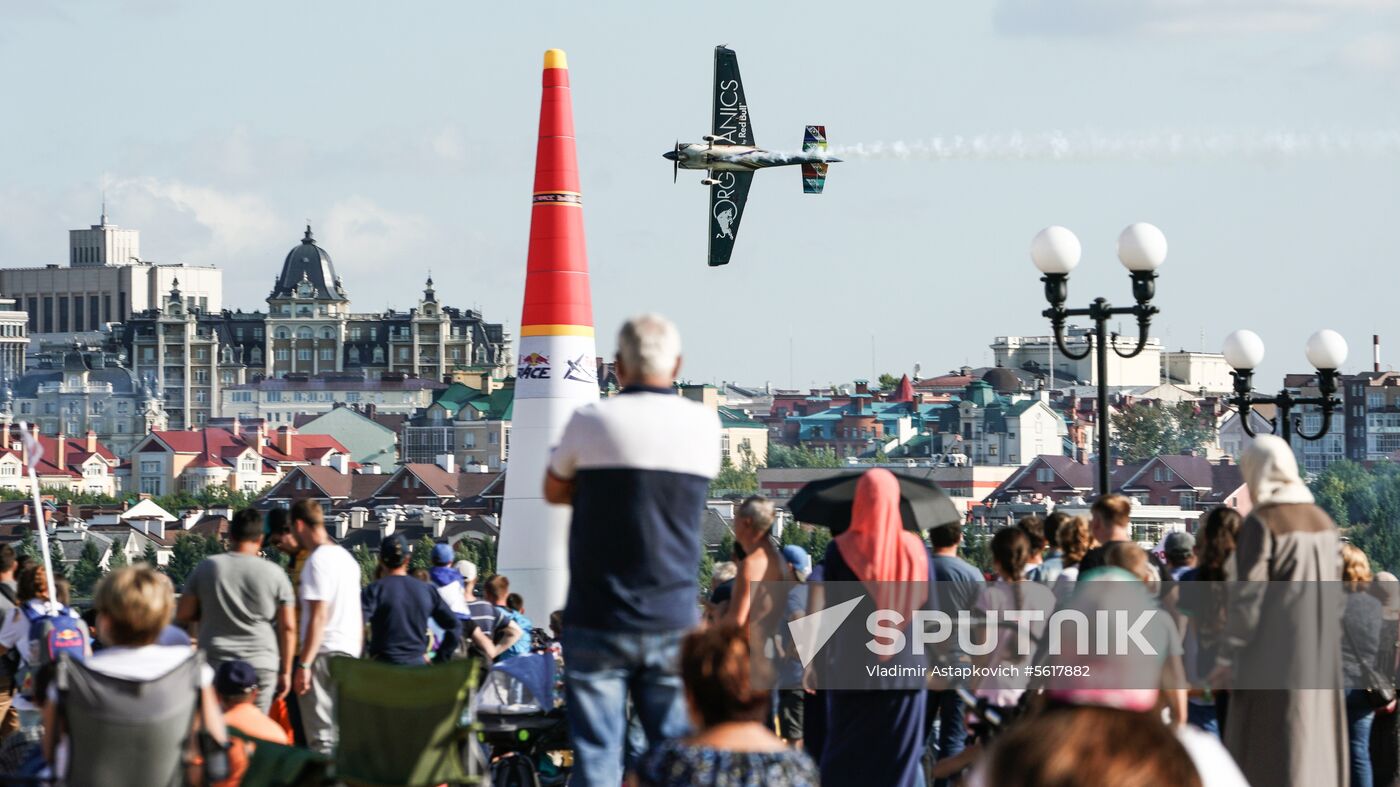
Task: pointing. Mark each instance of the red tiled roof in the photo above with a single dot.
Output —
(220, 447)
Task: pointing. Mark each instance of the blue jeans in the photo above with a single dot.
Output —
(947, 711)
(1202, 717)
(601, 669)
(1360, 715)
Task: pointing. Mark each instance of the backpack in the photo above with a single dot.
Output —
(50, 636)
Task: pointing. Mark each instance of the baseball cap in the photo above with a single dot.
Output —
(466, 568)
(235, 677)
(797, 557)
(442, 554)
(393, 550)
(1179, 543)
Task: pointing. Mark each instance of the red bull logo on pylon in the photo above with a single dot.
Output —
(533, 367)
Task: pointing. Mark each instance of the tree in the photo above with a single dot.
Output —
(118, 558)
(801, 456)
(481, 552)
(422, 554)
(734, 480)
(1145, 430)
(29, 545)
(888, 382)
(150, 558)
(88, 570)
(1366, 504)
(369, 564)
(188, 551)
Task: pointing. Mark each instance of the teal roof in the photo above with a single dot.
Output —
(494, 406)
(731, 418)
(365, 439)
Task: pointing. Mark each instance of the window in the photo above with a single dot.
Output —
(1044, 475)
(304, 333)
(352, 396)
(328, 353)
(150, 467)
(201, 375)
(304, 354)
(1375, 400)
(283, 333)
(281, 353)
(274, 396)
(151, 486)
(327, 332)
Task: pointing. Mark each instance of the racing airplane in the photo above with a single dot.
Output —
(729, 155)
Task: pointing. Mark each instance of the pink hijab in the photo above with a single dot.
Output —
(876, 546)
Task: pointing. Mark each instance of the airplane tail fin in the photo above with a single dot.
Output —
(814, 175)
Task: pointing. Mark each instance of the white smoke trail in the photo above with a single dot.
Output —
(1093, 145)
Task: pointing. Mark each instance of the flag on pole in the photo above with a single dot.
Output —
(33, 452)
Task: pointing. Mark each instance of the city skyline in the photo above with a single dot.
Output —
(409, 146)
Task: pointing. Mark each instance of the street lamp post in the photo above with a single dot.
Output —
(1326, 351)
(1055, 251)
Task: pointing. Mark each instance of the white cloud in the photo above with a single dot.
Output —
(203, 225)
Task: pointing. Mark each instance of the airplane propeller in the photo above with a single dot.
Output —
(676, 163)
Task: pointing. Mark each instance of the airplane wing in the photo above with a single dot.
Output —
(727, 200)
(731, 121)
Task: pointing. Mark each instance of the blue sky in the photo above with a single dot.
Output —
(405, 133)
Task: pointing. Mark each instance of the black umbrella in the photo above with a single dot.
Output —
(922, 504)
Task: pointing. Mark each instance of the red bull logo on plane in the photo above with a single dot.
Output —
(533, 367)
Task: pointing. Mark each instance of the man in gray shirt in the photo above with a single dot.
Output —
(245, 608)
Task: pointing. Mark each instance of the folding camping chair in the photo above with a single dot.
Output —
(406, 725)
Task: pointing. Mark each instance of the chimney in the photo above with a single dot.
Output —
(387, 529)
(862, 386)
(438, 518)
(371, 409)
(284, 439)
(60, 453)
(90, 442)
(340, 526)
(358, 516)
(155, 526)
(1376, 350)
(191, 516)
(369, 468)
(1226, 460)
(447, 462)
(341, 463)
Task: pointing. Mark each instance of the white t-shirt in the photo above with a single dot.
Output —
(332, 575)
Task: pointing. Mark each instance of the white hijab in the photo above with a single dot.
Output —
(1271, 471)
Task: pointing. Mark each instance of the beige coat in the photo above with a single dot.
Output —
(1287, 635)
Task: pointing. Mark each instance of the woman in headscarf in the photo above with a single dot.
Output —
(1278, 636)
(874, 736)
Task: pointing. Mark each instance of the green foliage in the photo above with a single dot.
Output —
(29, 545)
(881, 457)
(801, 456)
(736, 480)
(707, 573)
(1145, 430)
(811, 538)
(188, 551)
(422, 554)
(118, 558)
(977, 550)
(213, 496)
(88, 569)
(481, 552)
(1366, 504)
(888, 382)
(150, 558)
(369, 563)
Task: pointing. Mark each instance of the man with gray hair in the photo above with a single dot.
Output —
(636, 469)
(760, 562)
